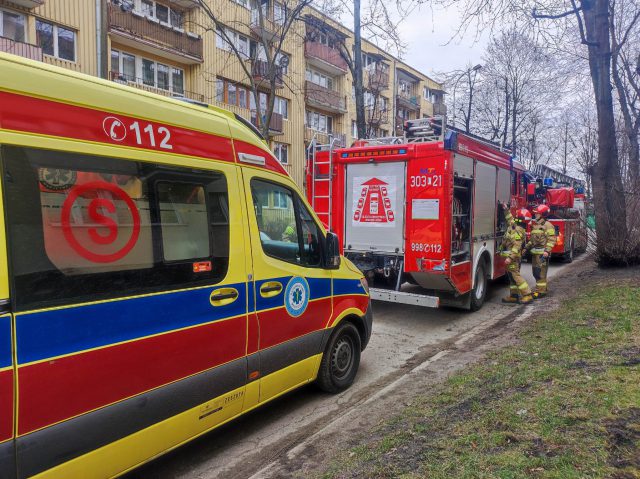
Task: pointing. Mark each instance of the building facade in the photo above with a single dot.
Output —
(171, 47)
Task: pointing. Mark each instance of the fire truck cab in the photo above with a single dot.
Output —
(422, 209)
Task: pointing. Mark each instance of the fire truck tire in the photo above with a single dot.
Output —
(341, 359)
(569, 255)
(479, 291)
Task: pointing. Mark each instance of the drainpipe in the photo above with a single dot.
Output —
(101, 38)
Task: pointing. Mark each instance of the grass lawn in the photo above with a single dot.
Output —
(562, 403)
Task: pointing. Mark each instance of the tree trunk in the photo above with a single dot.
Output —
(357, 77)
(609, 199)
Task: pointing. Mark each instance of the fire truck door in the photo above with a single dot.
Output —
(484, 211)
(374, 216)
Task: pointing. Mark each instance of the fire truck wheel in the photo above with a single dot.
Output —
(569, 255)
(479, 291)
(341, 359)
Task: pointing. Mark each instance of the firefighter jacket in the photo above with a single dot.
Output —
(512, 242)
(543, 237)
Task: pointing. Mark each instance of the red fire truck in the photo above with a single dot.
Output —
(422, 208)
(565, 197)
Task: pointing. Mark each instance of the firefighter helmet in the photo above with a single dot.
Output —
(542, 210)
(523, 215)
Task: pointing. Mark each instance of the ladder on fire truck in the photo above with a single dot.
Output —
(321, 172)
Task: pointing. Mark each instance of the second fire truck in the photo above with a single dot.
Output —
(421, 209)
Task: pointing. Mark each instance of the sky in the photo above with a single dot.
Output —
(427, 34)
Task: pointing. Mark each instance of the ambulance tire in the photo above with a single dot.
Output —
(341, 359)
(479, 291)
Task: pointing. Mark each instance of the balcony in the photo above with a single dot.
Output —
(275, 125)
(324, 57)
(408, 101)
(26, 50)
(260, 70)
(439, 109)
(324, 138)
(268, 29)
(137, 31)
(324, 98)
(28, 3)
(139, 84)
(376, 79)
(376, 116)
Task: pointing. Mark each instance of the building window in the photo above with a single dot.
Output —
(12, 25)
(354, 129)
(279, 13)
(56, 41)
(281, 105)
(319, 122)
(160, 12)
(280, 199)
(244, 3)
(232, 93)
(131, 68)
(281, 150)
(319, 78)
(239, 41)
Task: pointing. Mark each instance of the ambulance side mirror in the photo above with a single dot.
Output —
(332, 251)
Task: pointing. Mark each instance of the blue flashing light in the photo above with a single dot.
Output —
(345, 155)
(547, 182)
(402, 152)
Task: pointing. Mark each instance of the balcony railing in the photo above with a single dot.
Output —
(324, 138)
(326, 54)
(275, 124)
(166, 37)
(410, 102)
(270, 29)
(439, 109)
(324, 98)
(26, 50)
(377, 79)
(140, 84)
(260, 70)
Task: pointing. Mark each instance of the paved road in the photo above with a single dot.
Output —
(403, 337)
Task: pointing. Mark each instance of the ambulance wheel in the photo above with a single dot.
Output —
(341, 359)
(479, 291)
(569, 255)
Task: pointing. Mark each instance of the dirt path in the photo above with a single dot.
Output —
(312, 453)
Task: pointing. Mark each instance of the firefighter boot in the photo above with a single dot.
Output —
(526, 299)
(511, 299)
(539, 294)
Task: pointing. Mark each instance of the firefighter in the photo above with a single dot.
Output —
(541, 242)
(289, 234)
(511, 249)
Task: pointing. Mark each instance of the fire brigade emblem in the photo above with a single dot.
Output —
(296, 296)
(375, 203)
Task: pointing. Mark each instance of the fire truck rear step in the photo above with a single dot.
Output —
(404, 298)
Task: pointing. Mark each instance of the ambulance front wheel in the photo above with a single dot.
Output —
(479, 291)
(341, 359)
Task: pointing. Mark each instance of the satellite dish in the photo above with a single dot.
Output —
(284, 61)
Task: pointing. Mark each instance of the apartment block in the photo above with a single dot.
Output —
(171, 47)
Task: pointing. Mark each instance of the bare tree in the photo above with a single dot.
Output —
(264, 61)
(591, 24)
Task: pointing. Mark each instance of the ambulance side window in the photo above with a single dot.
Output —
(85, 228)
(287, 229)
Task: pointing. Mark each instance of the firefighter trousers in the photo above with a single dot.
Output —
(539, 267)
(518, 286)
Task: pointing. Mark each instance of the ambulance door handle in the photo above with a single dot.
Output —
(270, 289)
(223, 296)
